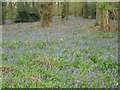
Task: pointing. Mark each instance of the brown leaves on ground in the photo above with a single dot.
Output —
(37, 79)
(35, 26)
(88, 29)
(6, 69)
(75, 33)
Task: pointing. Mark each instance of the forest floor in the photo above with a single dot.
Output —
(72, 53)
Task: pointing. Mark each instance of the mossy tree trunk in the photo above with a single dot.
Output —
(46, 13)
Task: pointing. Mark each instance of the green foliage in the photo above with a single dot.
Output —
(3, 12)
(107, 6)
(90, 63)
(26, 13)
(92, 10)
(40, 60)
(101, 5)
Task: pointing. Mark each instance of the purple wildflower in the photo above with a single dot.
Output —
(89, 82)
(108, 71)
(40, 59)
(8, 81)
(93, 74)
(78, 81)
(26, 83)
(42, 75)
(6, 75)
(45, 68)
(70, 82)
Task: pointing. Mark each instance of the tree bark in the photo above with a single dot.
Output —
(102, 17)
(105, 19)
(65, 11)
(106, 22)
(46, 14)
(4, 12)
(98, 16)
(85, 10)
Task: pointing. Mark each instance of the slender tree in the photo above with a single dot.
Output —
(46, 13)
(4, 12)
(65, 10)
(98, 15)
(85, 10)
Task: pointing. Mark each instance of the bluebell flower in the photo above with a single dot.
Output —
(42, 76)
(26, 82)
(40, 59)
(93, 74)
(108, 70)
(45, 68)
(87, 55)
(78, 81)
(6, 75)
(70, 82)
(89, 82)
(8, 81)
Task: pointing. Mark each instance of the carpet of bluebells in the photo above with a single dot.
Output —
(63, 55)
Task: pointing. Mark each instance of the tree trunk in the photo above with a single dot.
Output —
(75, 11)
(102, 17)
(59, 9)
(105, 20)
(11, 10)
(65, 10)
(98, 16)
(4, 12)
(85, 10)
(46, 13)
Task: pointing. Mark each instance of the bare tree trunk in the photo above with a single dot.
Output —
(115, 17)
(4, 12)
(65, 10)
(85, 10)
(105, 20)
(98, 16)
(59, 9)
(102, 17)
(75, 11)
(11, 10)
(46, 13)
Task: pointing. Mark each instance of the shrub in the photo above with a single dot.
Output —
(25, 13)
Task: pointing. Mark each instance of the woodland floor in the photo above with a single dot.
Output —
(72, 53)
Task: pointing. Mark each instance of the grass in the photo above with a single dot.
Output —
(38, 58)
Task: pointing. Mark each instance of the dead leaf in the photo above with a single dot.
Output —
(6, 69)
(36, 79)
